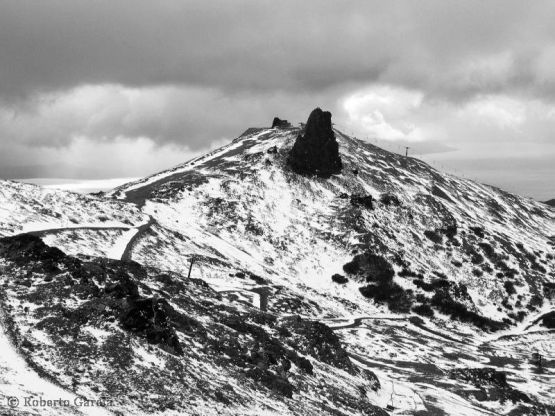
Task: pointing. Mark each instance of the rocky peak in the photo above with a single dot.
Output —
(279, 123)
(317, 151)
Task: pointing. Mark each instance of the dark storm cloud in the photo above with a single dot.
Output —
(120, 88)
(450, 48)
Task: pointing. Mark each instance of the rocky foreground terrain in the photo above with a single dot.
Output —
(293, 271)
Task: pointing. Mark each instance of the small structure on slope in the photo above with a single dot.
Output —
(317, 151)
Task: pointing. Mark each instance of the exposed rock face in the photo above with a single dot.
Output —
(339, 278)
(371, 266)
(317, 152)
(279, 123)
(364, 201)
(150, 317)
(549, 320)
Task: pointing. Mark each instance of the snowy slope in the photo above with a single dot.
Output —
(248, 221)
(79, 224)
(472, 285)
(142, 342)
(17, 380)
(241, 205)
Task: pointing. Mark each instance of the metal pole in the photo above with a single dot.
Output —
(191, 267)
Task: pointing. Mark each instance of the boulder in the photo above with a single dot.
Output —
(365, 201)
(339, 278)
(548, 320)
(317, 151)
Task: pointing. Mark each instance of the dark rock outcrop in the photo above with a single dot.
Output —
(339, 278)
(273, 354)
(444, 302)
(26, 247)
(317, 151)
(279, 123)
(150, 317)
(365, 201)
(397, 299)
(548, 320)
(374, 267)
(317, 340)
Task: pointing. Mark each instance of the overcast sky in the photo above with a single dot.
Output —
(124, 88)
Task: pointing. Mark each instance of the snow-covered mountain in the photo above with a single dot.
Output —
(81, 224)
(406, 289)
(240, 207)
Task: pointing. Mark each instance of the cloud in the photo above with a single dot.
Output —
(449, 48)
(188, 116)
(180, 76)
(110, 130)
(85, 158)
(383, 111)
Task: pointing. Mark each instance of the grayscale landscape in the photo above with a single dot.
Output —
(170, 244)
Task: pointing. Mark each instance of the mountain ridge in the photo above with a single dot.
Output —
(431, 267)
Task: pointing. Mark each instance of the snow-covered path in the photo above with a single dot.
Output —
(42, 229)
(118, 249)
(132, 239)
(522, 328)
(121, 250)
(18, 381)
(354, 322)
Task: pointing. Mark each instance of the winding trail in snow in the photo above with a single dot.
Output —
(142, 229)
(522, 329)
(40, 233)
(122, 249)
(356, 322)
(18, 380)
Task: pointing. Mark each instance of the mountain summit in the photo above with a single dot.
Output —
(316, 152)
